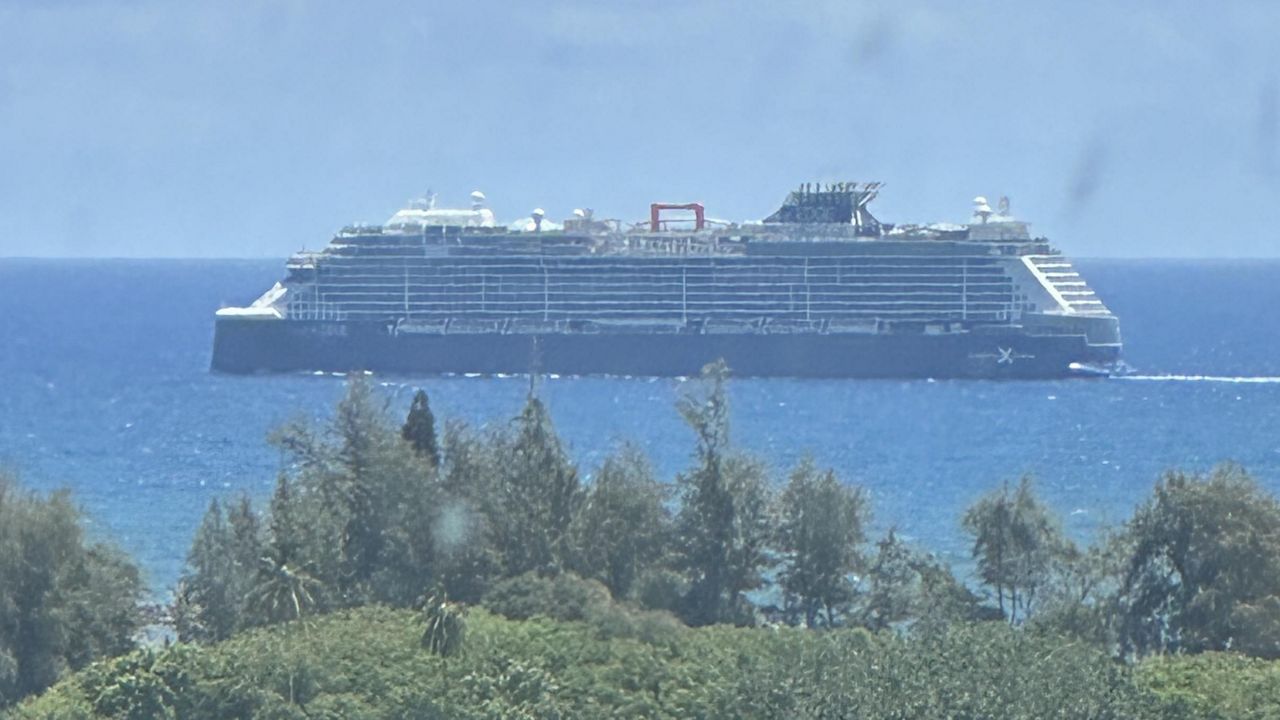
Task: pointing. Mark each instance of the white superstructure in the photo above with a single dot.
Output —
(423, 214)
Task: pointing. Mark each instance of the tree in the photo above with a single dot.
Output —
(1079, 600)
(245, 544)
(535, 495)
(420, 429)
(444, 626)
(820, 534)
(283, 593)
(205, 610)
(1015, 542)
(623, 526)
(284, 590)
(364, 508)
(285, 538)
(465, 557)
(723, 523)
(222, 568)
(362, 431)
(1204, 568)
(892, 585)
(904, 586)
(64, 602)
(350, 522)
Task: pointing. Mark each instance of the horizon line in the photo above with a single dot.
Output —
(242, 258)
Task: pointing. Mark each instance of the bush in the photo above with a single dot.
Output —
(563, 597)
(1215, 685)
(567, 597)
(369, 663)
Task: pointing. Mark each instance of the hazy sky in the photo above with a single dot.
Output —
(252, 129)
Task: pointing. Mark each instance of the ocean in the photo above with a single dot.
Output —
(105, 389)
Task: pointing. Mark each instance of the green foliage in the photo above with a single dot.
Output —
(561, 597)
(820, 535)
(1080, 599)
(1225, 686)
(444, 626)
(286, 539)
(282, 593)
(222, 571)
(465, 560)
(1016, 543)
(419, 429)
(361, 503)
(357, 493)
(661, 588)
(983, 670)
(134, 691)
(590, 581)
(623, 527)
(534, 495)
(594, 574)
(350, 522)
(64, 602)
(723, 523)
(370, 663)
(1204, 568)
(358, 516)
(906, 587)
(568, 597)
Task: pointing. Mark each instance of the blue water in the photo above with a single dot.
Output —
(104, 389)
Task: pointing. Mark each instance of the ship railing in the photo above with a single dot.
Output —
(575, 322)
(707, 326)
(596, 307)
(388, 261)
(640, 309)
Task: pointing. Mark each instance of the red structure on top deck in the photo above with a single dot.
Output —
(655, 213)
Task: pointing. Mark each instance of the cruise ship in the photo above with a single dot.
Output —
(819, 289)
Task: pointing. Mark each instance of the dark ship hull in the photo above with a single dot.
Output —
(246, 346)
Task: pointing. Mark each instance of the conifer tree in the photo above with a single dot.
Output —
(245, 546)
(535, 497)
(420, 429)
(360, 426)
(285, 547)
(363, 517)
(358, 492)
(409, 503)
(206, 611)
(723, 520)
(222, 569)
(1015, 542)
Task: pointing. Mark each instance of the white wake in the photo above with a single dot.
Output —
(1260, 380)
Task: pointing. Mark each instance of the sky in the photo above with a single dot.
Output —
(254, 129)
